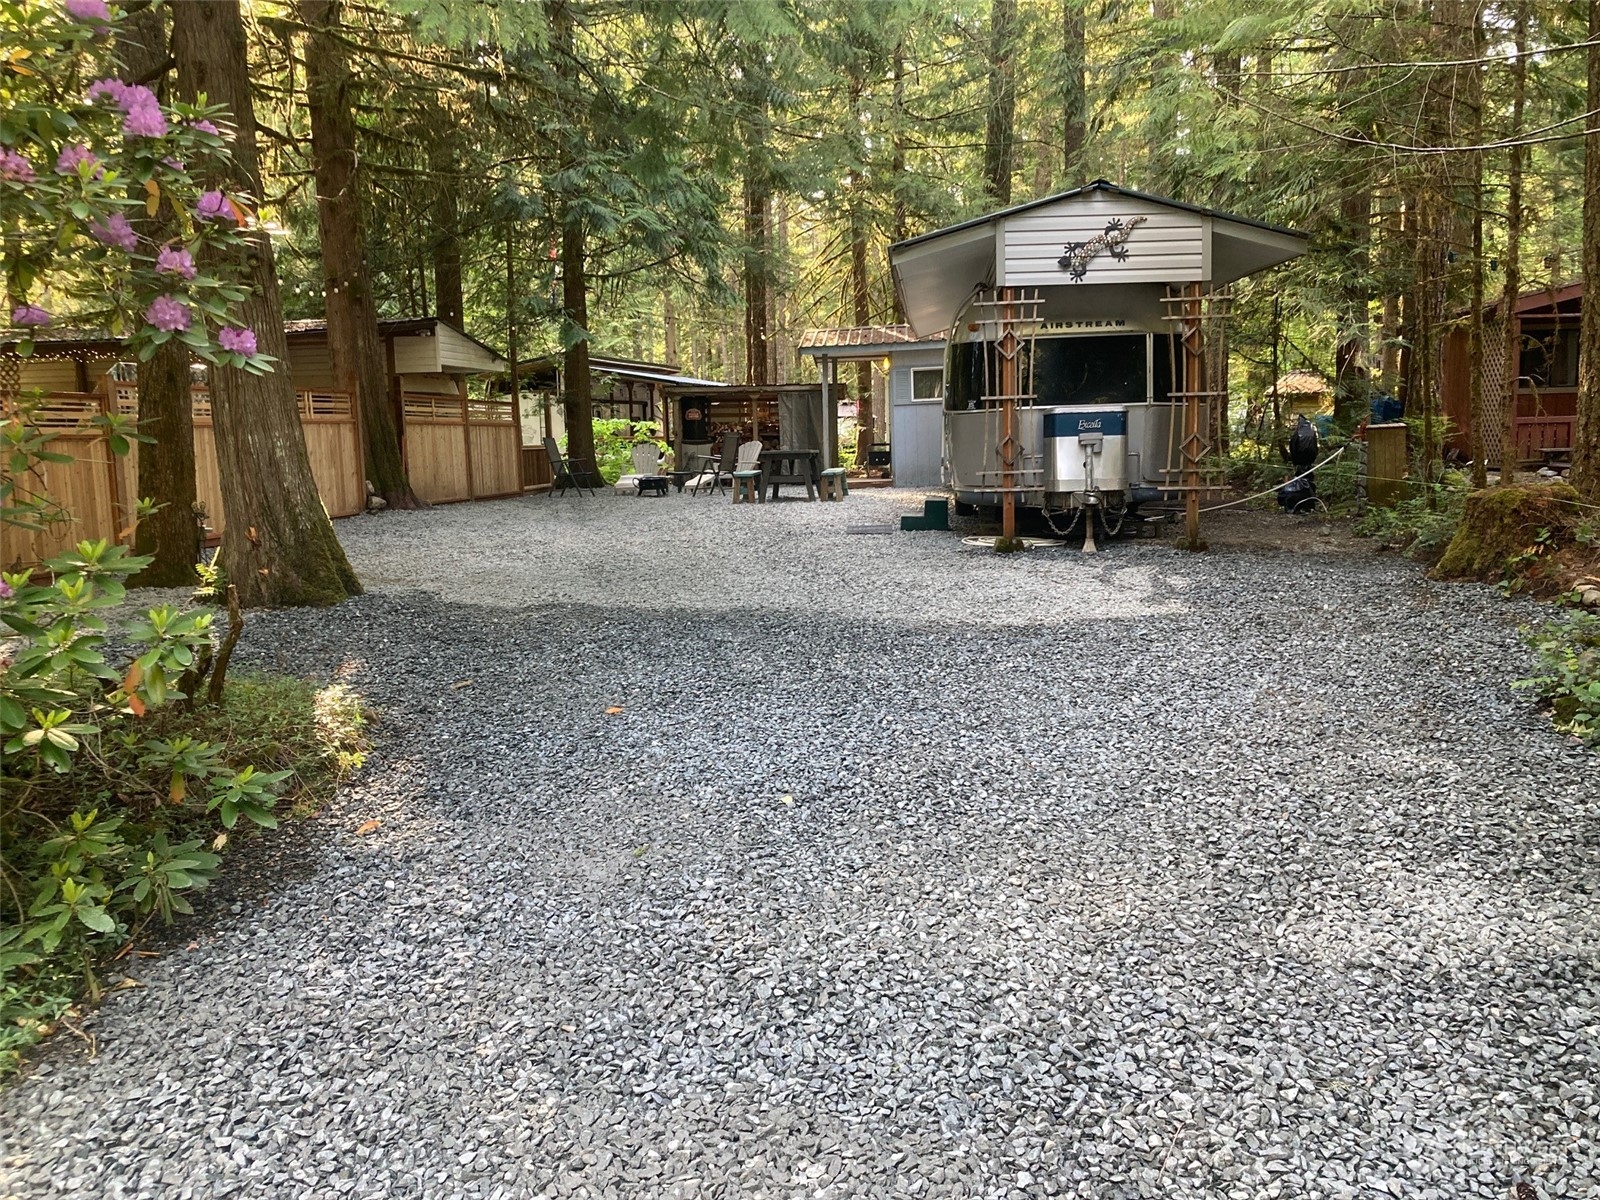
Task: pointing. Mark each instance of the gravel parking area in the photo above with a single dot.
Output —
(904, 871)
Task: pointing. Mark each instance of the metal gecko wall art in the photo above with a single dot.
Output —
(1114, 240)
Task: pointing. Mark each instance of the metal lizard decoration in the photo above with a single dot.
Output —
(1078, 255)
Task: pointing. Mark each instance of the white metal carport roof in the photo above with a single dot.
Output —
(935, 272)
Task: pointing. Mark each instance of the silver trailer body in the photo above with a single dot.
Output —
(1094, 435)
(1104, 273)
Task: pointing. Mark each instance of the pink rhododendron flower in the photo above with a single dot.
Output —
(72, 155)
(239, 341)
(14, 168)
(145, 121)
(175, 262)
(168, 314)
(91, 12)
(112, 89)
(205, 126)
(212, 206)
(115, 231)
(5, 590)
(29, 314)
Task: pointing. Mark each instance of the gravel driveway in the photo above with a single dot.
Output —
(904, 870)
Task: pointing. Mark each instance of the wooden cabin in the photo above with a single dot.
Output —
(785, 416)
(1545, 369)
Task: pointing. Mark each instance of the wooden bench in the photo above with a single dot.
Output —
(835, 485)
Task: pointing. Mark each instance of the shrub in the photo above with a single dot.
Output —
(125, 774)
(614, 440)
(1414, 525)
(76, 161)
(1569, 653)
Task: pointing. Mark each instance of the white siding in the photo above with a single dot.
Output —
(431, 385)
(1169, 247)
(416, 355)
(457, 352)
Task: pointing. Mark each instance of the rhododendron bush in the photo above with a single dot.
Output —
(83, 155)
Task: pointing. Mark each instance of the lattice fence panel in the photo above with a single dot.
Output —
(1495, 396)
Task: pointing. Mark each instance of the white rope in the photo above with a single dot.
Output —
(1270, 491)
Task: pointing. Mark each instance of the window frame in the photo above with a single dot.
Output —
(911, 380)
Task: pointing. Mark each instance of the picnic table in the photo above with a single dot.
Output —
(791, 466)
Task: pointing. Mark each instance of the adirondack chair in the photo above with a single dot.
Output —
(561, 475)
(647, 476)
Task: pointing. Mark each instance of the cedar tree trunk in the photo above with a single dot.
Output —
(449, 298)
(757, 227)
(1000, 118)
(575, 375)
(1074, 94)
(279, 547)
(166, 412)
(1586, 435)
(354, 347)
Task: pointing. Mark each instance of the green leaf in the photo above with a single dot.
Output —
(97, 919)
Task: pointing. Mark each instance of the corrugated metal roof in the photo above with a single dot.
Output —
(861, 335)
(1303, 383)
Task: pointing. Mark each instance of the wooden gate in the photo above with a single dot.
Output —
(461, 449)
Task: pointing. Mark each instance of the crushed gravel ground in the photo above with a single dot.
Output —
(904, 871)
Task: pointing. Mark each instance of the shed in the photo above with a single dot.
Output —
(915, 367)
(1545, 371)
(787, 416)
(1303, 394)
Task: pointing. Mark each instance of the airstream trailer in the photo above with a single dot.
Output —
(1100, 282)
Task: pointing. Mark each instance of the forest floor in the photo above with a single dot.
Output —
(711, 851)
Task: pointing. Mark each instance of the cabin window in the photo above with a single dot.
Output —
(1549, 357)
(927, 383)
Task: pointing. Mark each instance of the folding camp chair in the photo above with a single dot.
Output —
(561, 475)
(718, 467)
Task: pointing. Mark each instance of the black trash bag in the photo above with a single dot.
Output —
(1303, 445)
(1298, 495)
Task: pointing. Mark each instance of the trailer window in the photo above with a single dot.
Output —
(1110, 369)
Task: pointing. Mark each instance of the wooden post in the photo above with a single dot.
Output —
(1194, 368)
(1008, 419)
(511, 337)
(466, 438)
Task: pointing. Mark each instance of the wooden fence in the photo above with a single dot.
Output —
(97, 489)
(461, 449)
(536, 473)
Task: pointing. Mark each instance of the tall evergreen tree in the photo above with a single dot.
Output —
(354, 345)
(278, 547)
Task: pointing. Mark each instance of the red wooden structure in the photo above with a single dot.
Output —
(1546, 371)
